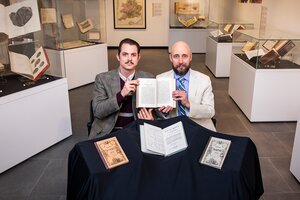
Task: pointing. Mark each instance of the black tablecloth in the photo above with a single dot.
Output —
(179, 176)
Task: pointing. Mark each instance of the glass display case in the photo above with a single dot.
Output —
(23, 57)
(189, 14)
(28, 87)
(223, 31)
(268, 49)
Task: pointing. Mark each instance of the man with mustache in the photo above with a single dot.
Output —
(114, 94)
(193, 92)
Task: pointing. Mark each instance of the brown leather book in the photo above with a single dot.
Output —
(269, 57)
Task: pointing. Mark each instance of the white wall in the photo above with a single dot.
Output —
(283, 15)
(155, 34)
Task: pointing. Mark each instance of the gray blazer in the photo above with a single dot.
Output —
(105, 105)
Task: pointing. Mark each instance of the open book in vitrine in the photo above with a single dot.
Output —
(224, 30)
(270, 49)
(189, 14)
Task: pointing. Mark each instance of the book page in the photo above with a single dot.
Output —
(216, 33)
(23, 18)
(48, 15)
(3, 20)
(146, 93)
(20, 64)
(253, 53)
(165, 87)
(143, 142)
(174, 138)
(269, 44)
(154, 139)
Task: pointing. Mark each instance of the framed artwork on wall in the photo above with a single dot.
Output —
(129, 14)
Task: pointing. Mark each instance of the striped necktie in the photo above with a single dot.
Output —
(181, 108)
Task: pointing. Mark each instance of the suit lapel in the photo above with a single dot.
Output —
(192, 85)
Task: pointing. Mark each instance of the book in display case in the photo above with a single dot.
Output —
(189, 13)
(268, 49)
(223, 31)
(189, 21)
(34, 102)
(265, 75)
(219, 46)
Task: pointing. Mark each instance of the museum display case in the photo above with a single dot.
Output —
(223, 31)
(75, 31)
(268, 49)
(219, 46)
(27, 85)
(189, 13)
(261, 73)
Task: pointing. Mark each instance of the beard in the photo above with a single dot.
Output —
(181, 72)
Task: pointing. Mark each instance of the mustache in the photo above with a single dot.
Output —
(129, 62)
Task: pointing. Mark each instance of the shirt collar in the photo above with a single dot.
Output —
(186, 76)
(130, 77)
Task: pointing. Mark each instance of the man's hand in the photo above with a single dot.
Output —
(165, 109)
(180, 95)
(129, 87)
(145, 113)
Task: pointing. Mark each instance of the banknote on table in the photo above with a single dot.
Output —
(111, 152)
(215, 152)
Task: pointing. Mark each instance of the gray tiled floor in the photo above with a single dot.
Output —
(44, 176)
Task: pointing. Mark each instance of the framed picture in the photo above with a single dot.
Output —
(129, 14)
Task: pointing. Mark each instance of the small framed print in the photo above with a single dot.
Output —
(129, 14)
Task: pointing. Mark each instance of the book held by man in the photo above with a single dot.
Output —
(215, 152)
(153, 93)
(32, 68)
(165, 142)
(111, 152)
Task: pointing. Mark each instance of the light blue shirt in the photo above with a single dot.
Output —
(186, 86)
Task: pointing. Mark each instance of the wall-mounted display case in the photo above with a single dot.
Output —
(189, 14)
(262, 73)
(269, 49)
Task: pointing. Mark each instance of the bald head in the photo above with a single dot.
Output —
(180, 57)
(181, 46)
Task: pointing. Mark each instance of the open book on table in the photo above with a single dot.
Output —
(166, 141)
(153, 93)
(33, 67)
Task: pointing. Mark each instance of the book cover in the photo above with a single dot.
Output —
(249, 46)
(269, 57)
(111, 152)
(153, 93)
(68, 20)
(48, 15)
(85, 25)
(32, 68)
(19, 18)
(215, 152)
(285, 48)
(269, 44)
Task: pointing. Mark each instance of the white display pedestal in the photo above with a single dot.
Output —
(218, 56)
(265, 94)
(295, 160)
(80, 65)
(33, 120)
(196, 38)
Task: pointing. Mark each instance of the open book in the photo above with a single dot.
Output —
(32, 68)
(215, 152)
(19, 18)
(279, 50)
(111, 152)
(153, 93)
(167, 141)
